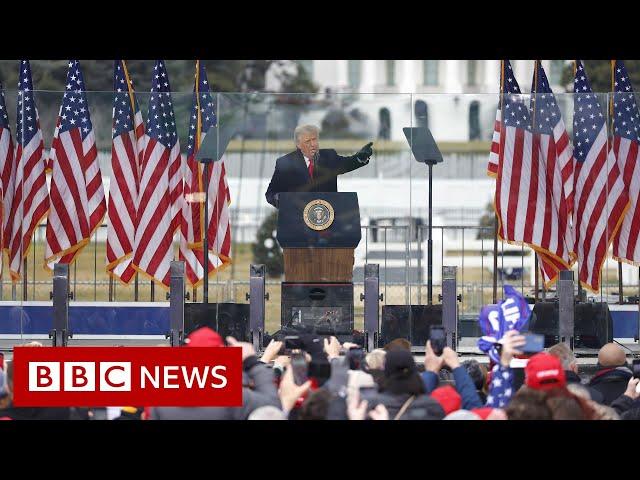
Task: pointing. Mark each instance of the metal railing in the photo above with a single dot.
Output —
(400, 250)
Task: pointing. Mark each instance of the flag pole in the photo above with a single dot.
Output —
(613, 66)
(575, 68)
(495, 218)
(533, 122)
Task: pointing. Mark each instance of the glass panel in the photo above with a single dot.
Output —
(307, 65)
(472, 72)
(392, 188)
(354, 73)
(430, 72)
(555, 74)
(390, 69)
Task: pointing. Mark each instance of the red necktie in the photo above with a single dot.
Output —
(310, 168)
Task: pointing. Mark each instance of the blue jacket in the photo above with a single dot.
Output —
(463, 384)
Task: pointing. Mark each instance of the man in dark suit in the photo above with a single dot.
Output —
(310, 169)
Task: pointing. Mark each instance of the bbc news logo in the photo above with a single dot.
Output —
(139, 376)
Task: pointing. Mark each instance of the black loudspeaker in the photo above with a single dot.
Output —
(593, 326)
(228, 319)
(397, 323)
(545, 321)
(323, 308)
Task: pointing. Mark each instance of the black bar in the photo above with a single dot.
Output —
(95, 266)
(153, 291)
(135, 288)
(620, 296)
(60, 296)
(33, 281)
(205, 283)
(24, 280)
(535, 266)
(495, 259)
(579, 287)
(429, 244)
(176, 303)
(110, 288)
(420, 276)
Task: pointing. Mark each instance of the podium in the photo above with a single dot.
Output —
(318, 232)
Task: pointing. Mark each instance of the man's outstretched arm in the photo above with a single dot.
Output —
(360, 159)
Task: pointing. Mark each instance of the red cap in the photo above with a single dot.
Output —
(482, 412)
(544, 372)
(448, 397)
(204, 337)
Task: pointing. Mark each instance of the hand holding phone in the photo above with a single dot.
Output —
(636, 371)
(291, 343)
(534, 343)
(355, 357)
(438, 339)
(299, 368)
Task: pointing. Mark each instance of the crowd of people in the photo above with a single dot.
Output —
(324, 380)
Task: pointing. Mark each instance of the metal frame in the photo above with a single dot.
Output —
(257, 298)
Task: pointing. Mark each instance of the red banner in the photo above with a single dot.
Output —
(121, 376)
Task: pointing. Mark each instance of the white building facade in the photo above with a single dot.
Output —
(456, 99)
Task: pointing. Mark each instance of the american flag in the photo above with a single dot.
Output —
(600, 197)
(492, 165)
(552, 155)
(30, 202)
(126, 155)
(626, 139)
(524, 200)
(160, 198)
(77, 196)
(7, 174)
(203, 118)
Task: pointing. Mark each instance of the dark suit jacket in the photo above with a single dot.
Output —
(291, 173)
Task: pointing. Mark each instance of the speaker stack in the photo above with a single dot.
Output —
(228, 319)
(411, 322)
(593, 326)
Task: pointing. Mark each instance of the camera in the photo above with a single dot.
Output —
(368, 394)
(437, 339)
(319, 370)
(355, 357)
(534, 343)
(635, 367)
(299, 368)
(291, 342)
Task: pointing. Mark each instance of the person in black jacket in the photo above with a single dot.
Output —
(311, 169)
(403, 392)
(258, 388)
(613, 374)
(10, 412)
(570, 366)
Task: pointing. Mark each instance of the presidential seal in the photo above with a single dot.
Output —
(318, 214)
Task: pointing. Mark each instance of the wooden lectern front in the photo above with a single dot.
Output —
(318, 265)
(318, 233)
